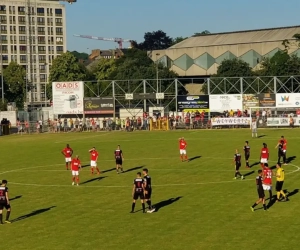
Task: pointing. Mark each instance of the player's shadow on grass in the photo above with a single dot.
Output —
(108, 170)
(194, 158)
(289, 194)
(249, 173)
(132, 169)
(33, 213)
(290, 159)
(261, 136)
(165, 203)
(254, 164)
(85, 166)
(15, 198)
(273, 167)
(94, 179)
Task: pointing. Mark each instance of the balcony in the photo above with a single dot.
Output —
(41, 32)
(5, 60)
(50, 33)
(22, 42)
(58, 24)
(13, 32)
(59, 43)
(41, 23)
(22, 52)
(10, 21)
(3, 21)
(2, 11)
(42, 70)
(40, 14)
(12, 12)
(42, 80)
(59, 33)
(22, 32)
(59, 52)
(42, 52)
(42, 60)
(49, 14)
(21, 13)
(50, 42)
(3, 31)
(4, 41)
(22, 22)
(41, 42)
(58, 14)
(50, 23)
(23, 61)
(5, 51)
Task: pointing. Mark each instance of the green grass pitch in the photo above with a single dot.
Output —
(200, 206)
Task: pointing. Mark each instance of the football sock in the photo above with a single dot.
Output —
(132, 206)
(254, 205)
(283, 194)
(1, 218)
(278, 195)
(7, 215)
(265, 207)
(235, 175)
(270, 193)
(143, 206)
(278, 161)
(284, 158)
(149, 204)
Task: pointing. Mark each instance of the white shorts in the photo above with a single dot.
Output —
(68, 159)
(263, 160)
(93, 164)
(75, 173)
(267, 187)
(284, 151)
(182, 151)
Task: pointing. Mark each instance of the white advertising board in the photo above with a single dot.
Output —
(230, 121)
(288, 100)
(9, 115)
(282, 121)
(219, 103)
(67, 97)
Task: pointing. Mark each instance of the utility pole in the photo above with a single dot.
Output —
(2, 84)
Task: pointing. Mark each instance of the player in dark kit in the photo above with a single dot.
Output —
(119, 159)
(237, 163)
(148, 190)
(247, 153)
(260, 191)
(4, 202)
(138, 191)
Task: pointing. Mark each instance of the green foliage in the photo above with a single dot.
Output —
(155, 40)
(3, 105)
(14, 78)
(203, 33)
(66, 68)
(178, 40)
(78, 55)
(234, 68)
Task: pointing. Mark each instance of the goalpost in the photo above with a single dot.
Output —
(275, 117)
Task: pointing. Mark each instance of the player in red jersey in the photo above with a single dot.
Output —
(75, 167)
(94, 157)
(264, 155)
(67, 152)
(182, 149)
(267, 179)
(282, 145)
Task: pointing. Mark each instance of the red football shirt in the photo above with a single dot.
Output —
(75, 164)
(67, 152)
(284, 143)
(264, 153)
(182, 144)
(267, 176)
(94, 155)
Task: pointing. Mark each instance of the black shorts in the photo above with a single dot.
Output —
(148, 193)
(237, 166)
(119, 162)
(136, 196)
(4, 205)
(279, 185)
(261, 193)
(247, 156)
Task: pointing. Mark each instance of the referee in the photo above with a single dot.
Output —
(279, 182)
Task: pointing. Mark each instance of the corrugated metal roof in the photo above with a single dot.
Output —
(240, 37)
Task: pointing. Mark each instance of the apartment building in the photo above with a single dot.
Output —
(32, 33)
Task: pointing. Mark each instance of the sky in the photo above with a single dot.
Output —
(132, 18)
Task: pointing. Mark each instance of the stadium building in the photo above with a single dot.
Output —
(201, 55)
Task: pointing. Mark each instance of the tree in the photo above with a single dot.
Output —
(80, 56)
(156, 40)
(234, 68)
(66, 68)
(203, 33)
(178, 40)
(14, 78)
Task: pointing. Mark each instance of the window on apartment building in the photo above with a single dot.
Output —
(58, 11)
(13, 49)
(3, 38)
(41, 48)
(41, 39)
(23, 48)
(11, 8)
(50, 39)
(5, 57)
(59, 30)
(2, 8)
(4, 48)
(22, 28)
(50, 48)
(3, 28)
(41, 29)
(21, 9)
(3, 18)
(59, 39)
(42, 67)
(22, 38)
(40, 20)
(21, 19)
(42, 58)
(50, 20)
(13, 58)
(59, 48)
(40, 10)
(58, 20)
(43, 76)
(12, 28)
(23, 58)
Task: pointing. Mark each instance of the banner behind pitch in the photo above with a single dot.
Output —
(99, 105)
(67, 97)
(187, 103)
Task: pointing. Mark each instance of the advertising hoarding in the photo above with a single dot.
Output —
(288, 100)
(99, 105)
(219, 103)
(190, 103)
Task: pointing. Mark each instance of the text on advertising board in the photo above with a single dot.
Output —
(67, 85)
